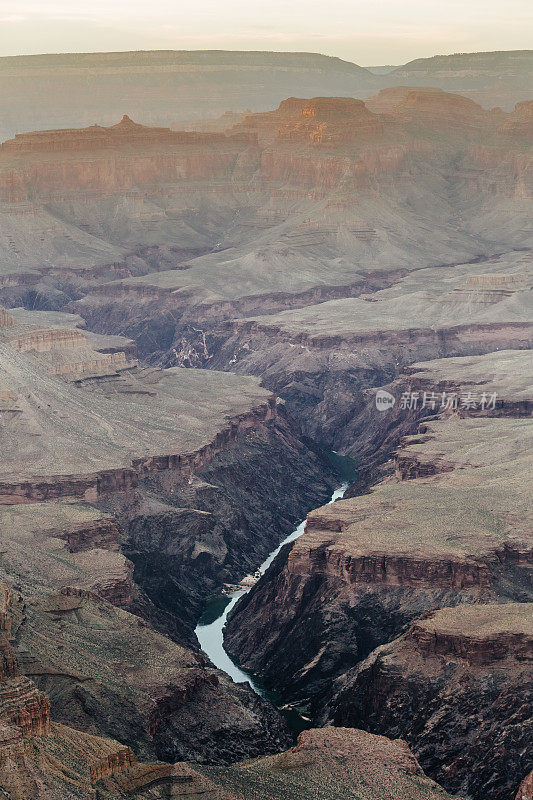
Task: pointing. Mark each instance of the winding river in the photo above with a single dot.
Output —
(210, 629)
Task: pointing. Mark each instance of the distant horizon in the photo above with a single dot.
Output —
(375, 64)
(388, 33)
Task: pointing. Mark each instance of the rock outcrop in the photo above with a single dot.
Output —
(327, 763)
(39, 759)
(451, 527)
(125, 133)
(456, 687)
(108, 658)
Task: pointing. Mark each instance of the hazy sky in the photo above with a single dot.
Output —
(369, 32)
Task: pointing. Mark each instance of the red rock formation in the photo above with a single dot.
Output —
(114, 762)
(365, 142)
(434, 106)
(96, 137)
(329, 121)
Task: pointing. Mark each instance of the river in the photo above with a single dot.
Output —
(210, 628)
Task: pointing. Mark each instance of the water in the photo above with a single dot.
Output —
(210, 629)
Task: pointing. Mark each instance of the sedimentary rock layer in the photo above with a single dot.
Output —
(130, 528)
(333, 762)
(453, 526)
(327, 188)
(322, 359)
(456, 687)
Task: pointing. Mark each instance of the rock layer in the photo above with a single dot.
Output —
(443, 531)
(456, 688)
(177, 450)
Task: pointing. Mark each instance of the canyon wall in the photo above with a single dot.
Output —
(456, 688)
(135, 545)
(438, 530)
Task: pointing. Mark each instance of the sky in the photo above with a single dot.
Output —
(368, 33)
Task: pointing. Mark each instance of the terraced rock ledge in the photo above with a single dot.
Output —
(119, 517)
(457, 688)
(448, 526)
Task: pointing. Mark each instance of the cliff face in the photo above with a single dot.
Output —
(456, 688)
(442, 531)
(138, 542)
(329, 177)
(323, 359)
(222, 535)
(38, 759)
(125, 133)
(344, 142)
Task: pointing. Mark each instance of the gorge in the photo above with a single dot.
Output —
(195, 327)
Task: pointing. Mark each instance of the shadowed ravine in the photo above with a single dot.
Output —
(210, 632)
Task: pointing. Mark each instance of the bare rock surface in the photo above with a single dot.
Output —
(289, 207)
(323, 358)
(456, 687)
(451, 526)
(333, 762)
(99, 468)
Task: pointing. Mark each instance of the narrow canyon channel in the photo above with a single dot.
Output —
(210, 628)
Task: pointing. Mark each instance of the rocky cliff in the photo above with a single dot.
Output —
(41, 760)
(442, 531)
(191, 218)
(324, 358)
(456, 688)
(132, 529)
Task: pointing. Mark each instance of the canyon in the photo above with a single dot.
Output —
(86, 531)
(197, 326)
(446, 525)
